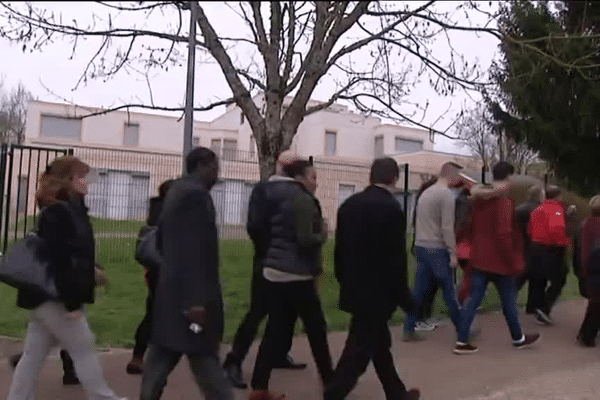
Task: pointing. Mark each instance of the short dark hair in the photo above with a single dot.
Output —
(502, 170)
(164, 188)
(296, 168)
(199, 156)
(553, 192)
(384, 170)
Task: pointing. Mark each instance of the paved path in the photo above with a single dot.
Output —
(554, 369)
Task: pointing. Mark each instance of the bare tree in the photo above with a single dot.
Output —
(372, 53)
(13, 114)
(487, 140)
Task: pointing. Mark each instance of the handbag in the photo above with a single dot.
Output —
(146, 249)
(24, 266)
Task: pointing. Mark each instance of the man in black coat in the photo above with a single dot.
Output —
(188, 304)
(260, 210)
(371, 268)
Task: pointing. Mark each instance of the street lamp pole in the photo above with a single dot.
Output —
(188, 128)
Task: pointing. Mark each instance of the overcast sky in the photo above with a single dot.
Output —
(51, 76)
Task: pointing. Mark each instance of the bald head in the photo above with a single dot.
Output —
(285, 158)
(450, 173)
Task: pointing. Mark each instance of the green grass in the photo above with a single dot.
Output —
(118, 310)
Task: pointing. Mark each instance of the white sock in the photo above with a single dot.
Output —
(520, 340)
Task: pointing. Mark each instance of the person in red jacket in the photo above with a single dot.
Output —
(549, 240)
(586, 263)
(497, 256)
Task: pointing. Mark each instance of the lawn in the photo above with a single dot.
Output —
(118, 310)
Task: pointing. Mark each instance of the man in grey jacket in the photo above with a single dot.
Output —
(188, 309)
(435, 245)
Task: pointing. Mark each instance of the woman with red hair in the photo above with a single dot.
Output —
(70, 249)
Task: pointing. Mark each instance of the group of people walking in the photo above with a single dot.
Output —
(456, 225)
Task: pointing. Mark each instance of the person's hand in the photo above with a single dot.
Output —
(74, 315)
(101, 278)
(325, 226)
(453, 262)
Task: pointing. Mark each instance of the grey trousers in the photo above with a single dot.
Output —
(207, 371)
(48, 328)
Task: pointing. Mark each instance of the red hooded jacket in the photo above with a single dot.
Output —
(497, 243)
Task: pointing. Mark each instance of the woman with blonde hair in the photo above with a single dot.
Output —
(70, 249)
(586, 262)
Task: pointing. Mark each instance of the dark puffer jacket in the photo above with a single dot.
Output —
(295, 230)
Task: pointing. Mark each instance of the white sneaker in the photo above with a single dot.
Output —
(424, 326)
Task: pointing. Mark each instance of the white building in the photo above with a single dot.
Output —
(135, 152)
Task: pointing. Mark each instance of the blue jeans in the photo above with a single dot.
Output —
(433, 268)
(508, 297)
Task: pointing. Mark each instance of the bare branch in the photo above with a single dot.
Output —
(240, 93)
(364, 108)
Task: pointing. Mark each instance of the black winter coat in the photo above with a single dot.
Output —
(189, 275)
(370, 254)
(70, 247)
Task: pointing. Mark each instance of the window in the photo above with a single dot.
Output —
(252, 145)
(345, 191)
(242, 118)
(330, 143)
(408, 145)
(215, 145)
(60, 127)
(229, 149)
(195, 141)
(378, 146)
(131, 137)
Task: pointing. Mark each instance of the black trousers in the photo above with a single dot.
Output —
(591, 322)
(286, 300)
(246, 332)
(142, 334)
(368, 340)
(547, 266)
(521, 281)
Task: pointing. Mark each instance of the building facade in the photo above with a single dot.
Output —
(134, 152)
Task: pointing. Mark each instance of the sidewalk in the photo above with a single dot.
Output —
(556, 368)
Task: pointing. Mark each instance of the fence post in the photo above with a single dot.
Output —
(8, 194)
(3, 156)
(406, 195)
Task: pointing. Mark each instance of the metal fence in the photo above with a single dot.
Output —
(127, 179)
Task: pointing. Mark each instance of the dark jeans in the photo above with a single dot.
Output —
(207, 372)
(433, 269)
(591, 322)
(286, 301)
(508, 297)
(547, 266)
(142, 334)
(247, 330)
(368, 340)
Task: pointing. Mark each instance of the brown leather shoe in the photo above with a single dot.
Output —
(413, 394)
(265, 395)
(135, 366)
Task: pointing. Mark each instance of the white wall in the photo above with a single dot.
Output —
(156, 132)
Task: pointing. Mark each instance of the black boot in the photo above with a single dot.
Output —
(233, 369)
(289, 363)
(69, 377)
(14, 360)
